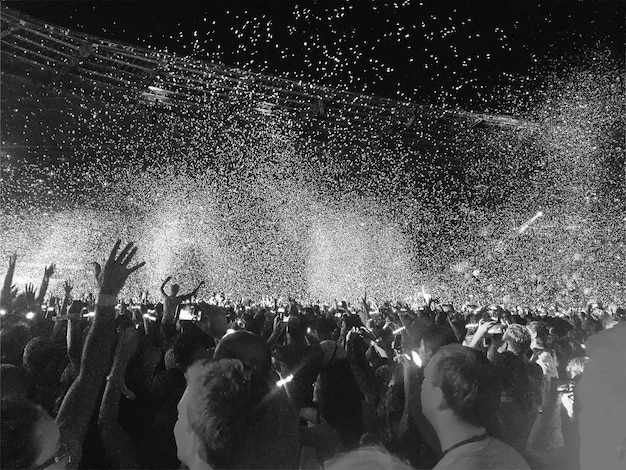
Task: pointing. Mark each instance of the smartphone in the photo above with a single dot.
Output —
(190, 313)
(286, 319)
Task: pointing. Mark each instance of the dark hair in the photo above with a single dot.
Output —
(437, 336)
(296, 326)
(340, 404)
(223, 402)
(249, 348)
(515, 378)
(43, 356)
(468, 382)
(14, 339)
(187, 344)
(19, 443)
(14, 382)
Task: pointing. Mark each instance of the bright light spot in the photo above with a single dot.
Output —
(3, 312)
(416, 358)
(284, 381)
(90, 314)
(30, 315)
(399, 330)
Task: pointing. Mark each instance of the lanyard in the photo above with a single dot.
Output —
(480, 437)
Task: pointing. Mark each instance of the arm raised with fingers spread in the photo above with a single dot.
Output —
(81, 399)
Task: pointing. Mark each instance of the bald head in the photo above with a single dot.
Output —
(248, 348)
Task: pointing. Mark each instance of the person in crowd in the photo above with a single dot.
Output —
(368, 458)
(85, 384)
(460, 397)
(277, 441)
(218, 413)
(172, 300)
(31, 438)
(299, 359)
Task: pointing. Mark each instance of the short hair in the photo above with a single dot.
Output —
(518, 338)
(224, 399)
(19, 443)
(249, 348)
(436, 336)
(186, 345)
(576, 367)
(15, 383)
(296, 326)
(40, 352)
(367, 458)
(468, 381)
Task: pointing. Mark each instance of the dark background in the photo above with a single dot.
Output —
(479, 55)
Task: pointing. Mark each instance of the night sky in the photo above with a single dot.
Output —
(478, 55)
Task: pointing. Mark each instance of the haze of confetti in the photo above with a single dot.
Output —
(256, 205)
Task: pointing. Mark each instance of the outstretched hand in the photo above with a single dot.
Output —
(112, 277)
(49, 271)
(12, 261)
(29, 291)
(67, 286)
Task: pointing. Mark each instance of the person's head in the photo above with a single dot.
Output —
(368, 458)
(434, 337)
(214, 320)
(249, 348)
(513, 374)
(296, 327)
(461, 385)
(576, 367)
(339, 400)
(516, 339)
(174, 289)
(45, 359)
(14, 382)
(216, 412)
(325, 328)
(29, 437)
(539, 334)
(191, 346)
(14, 338)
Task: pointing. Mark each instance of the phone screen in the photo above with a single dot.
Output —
(190, 313)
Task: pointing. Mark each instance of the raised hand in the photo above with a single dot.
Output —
(49, 271)
(112, 277)
(12, 261)
(67, 287)
(29, 291)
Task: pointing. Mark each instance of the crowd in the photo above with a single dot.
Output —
(204, 382)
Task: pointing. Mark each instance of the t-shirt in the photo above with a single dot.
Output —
(488, 454)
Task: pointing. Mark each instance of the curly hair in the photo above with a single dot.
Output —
(223, 405)
(518, 338)
(468, 381)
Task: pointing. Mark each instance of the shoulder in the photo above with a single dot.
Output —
(494, 455)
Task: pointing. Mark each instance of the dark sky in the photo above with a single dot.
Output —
(479, 55)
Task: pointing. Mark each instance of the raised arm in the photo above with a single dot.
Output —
(118, 445)
(5, 294)
(193, 292)
(167, 279)
(43, 288)
(82, 397)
